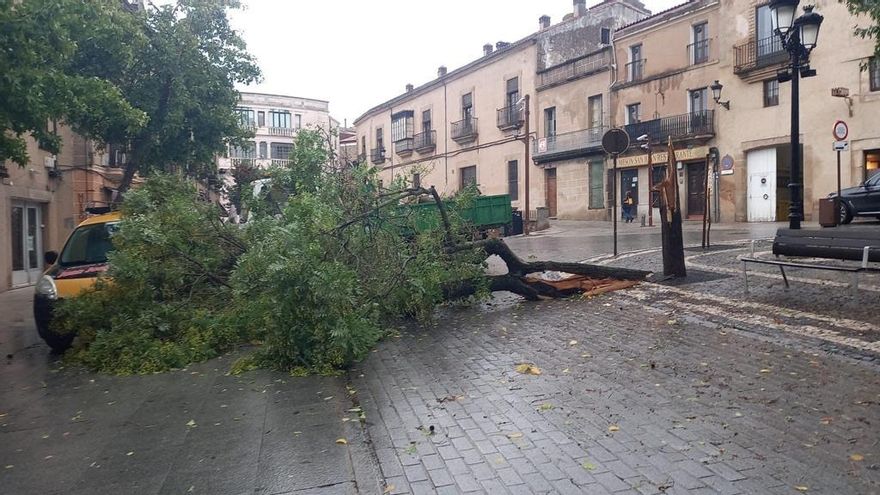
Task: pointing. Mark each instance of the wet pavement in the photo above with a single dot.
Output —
(673, 387)
(198, 430)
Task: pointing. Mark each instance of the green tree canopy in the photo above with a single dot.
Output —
(871, 9)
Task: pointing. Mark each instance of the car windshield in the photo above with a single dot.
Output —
(89, 244)
(873, 181)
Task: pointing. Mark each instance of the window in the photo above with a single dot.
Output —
(380, 139)
(467, 106)
(632, 113)
(550, 121)
(417, 180)
(594, 111)
(298, 121)
(636, 63)
(281, 151)
(771, 93)
(512, 94)
(700, 52)
(766, 42)
(402, 125)
(699, 100)
(513, 179)
(468, 176)
(874, 74)
(426, 121)
(263, 149)
(597, 171)
(280, 118)
(261, 119)
(244, 151)
(364, 145)
(605, 36)
(245, 116)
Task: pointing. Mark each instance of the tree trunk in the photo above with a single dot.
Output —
(673, 243)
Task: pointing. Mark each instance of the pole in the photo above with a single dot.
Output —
(837, 201)
(650, 187)
(705, 202)
(614, 203)
(526, 165)
(795, 209)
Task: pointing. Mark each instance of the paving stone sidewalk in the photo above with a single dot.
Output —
(632, 398)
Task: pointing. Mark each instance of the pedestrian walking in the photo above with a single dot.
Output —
(628, 207)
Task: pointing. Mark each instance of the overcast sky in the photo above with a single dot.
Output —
(359, 53)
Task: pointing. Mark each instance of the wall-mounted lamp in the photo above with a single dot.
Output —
(716, 88)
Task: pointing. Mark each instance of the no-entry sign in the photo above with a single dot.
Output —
(841, 130)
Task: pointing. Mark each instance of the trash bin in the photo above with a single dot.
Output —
(515, 227)
(829, 212)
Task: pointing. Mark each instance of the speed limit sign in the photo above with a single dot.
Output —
(841, 131)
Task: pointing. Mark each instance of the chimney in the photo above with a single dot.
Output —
(441, 71)
(580, 7)
(409, 87)
(487, 49)
(501, 45)
(543, 22)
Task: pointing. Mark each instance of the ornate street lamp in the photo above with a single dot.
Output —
(716, 88)
(798, 37)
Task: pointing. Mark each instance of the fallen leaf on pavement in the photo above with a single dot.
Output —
(528, 369)
(545, 406)
(826, 420)
(857, 457)
(341, 441)
(191, 423)
(389, 489)
(566, 370)
(130, 454)
(613, 428)
(573, 342)
(589, 466)
(765, 370)
(801, 488)
(514, 435)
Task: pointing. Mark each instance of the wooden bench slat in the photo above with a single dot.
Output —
(804, 265)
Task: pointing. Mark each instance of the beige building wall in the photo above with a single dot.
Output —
(675, 68)
(750, 126)
(51, 196)
(485, 80)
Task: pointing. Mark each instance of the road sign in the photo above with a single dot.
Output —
(841, 131)
(841, 145)
(615, 141)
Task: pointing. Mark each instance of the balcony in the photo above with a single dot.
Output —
(404, 147)
(281, 162)
(510, 118)
(425, 141)
(574, 69)
(568, 145)
(465, 130)
(757, 54)
(635, 70)
(377, 155)
(692, 125)
(698, 52)
(282, 131)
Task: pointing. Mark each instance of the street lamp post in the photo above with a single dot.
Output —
(798, 36)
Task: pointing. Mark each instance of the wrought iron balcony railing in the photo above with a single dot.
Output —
(677, 127)
(404, 147)
(698, 52)
(464, 130)
(574, 69)
(510, 118)
(425, 141)
(568, 144)
(282, 131)
(635, 70)
(758, 53)
(377, 155)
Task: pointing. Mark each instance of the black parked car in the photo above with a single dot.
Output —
(860, 201)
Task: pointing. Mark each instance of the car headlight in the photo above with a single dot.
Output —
(46, 287)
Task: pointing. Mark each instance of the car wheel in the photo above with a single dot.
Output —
(58, 343)
(845, 215)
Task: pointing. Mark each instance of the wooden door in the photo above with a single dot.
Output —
(696, 177)
(550, 175)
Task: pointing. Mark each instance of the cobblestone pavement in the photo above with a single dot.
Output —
(682, 387)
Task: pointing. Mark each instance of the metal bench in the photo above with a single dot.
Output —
(841, 244)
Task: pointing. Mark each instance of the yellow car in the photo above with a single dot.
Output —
(82, 260)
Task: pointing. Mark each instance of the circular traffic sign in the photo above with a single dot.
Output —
(615, 141)
(841, 131)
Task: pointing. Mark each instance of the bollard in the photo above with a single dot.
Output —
(643, 219)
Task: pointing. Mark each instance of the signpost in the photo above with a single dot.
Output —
(615, 142)
(840, 132)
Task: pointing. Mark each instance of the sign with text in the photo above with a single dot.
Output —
(841, 145)
(659, 158)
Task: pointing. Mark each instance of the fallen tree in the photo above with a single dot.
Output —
(326, 264)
